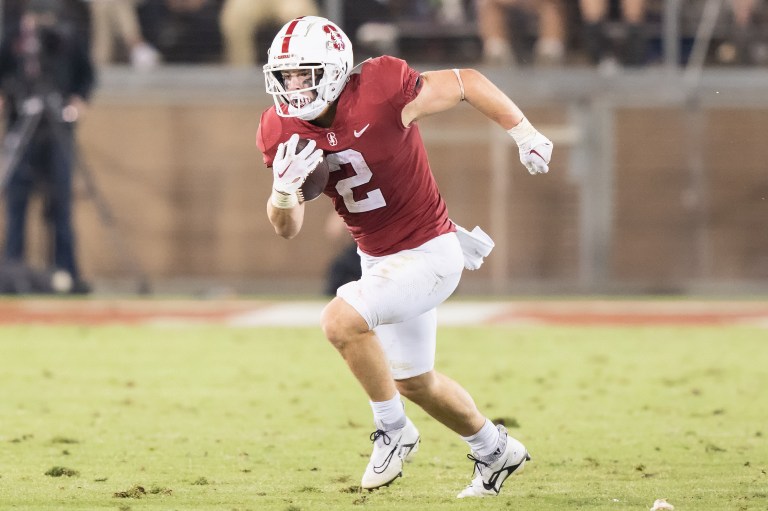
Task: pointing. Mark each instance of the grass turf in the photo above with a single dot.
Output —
(205, 418)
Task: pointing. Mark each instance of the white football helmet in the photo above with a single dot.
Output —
(311, 43)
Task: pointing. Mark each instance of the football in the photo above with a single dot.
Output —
(315, 183)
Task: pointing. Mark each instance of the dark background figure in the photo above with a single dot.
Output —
(183, 31)
(46, 77)
(366, 21)
(345, 265)
(631, 48)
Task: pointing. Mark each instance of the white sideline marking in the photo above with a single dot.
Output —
(467, 313)
(459, 313)
(281, 314)
(308, 314)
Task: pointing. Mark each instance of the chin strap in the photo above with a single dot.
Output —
(314, 113)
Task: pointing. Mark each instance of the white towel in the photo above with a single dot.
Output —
(475, 244)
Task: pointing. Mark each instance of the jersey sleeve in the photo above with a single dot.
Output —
(393, 79)
(267, 136)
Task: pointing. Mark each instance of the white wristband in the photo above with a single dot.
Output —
(283, 200)
(523, 132)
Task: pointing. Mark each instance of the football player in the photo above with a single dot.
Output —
(364, 119)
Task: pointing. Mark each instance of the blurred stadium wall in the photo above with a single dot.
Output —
(657, 185)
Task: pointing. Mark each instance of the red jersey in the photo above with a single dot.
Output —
(380, 182)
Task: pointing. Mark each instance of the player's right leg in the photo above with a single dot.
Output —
(395, 437)
(402, 289)
(391, 448)
(349, 333)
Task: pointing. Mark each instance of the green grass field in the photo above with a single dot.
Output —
(214, 418)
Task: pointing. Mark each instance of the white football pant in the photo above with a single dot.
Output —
(397, 296)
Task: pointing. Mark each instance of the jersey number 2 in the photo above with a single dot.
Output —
(373, 200)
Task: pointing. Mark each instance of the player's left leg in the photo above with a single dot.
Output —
(444, 400)
(409, 346)
(496, 454)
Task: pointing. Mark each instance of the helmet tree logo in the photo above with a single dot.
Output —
(336, 42)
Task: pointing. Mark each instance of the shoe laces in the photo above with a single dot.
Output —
(478, 462)
(380, 433)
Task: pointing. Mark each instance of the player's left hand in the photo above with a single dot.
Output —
(535, 148)
(535, 155)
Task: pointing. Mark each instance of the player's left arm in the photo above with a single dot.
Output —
(444, 89)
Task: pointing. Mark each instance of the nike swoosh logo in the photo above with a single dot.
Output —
(491, 484)
(384, 464)
(359, 134)
(281, 174)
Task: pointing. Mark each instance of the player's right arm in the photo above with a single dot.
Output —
(286, 221)
(290, 169)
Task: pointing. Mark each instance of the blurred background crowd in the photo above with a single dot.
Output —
(148, 33)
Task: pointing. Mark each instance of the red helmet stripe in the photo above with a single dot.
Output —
(289, 33)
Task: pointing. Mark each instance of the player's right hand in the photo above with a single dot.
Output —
(290, 169)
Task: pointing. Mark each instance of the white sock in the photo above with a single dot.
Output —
(484, 442)
(389, 415)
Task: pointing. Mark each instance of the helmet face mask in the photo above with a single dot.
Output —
(295, 98)
(313, 44)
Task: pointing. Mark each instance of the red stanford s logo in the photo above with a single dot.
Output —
(336, 42)
(332, 138)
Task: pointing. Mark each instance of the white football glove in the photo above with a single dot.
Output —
(290, 170)
(535, 148)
